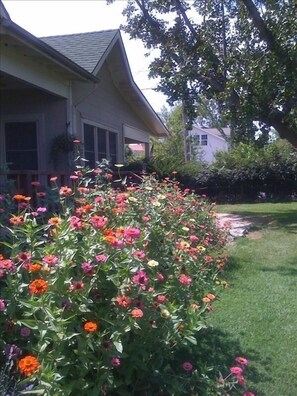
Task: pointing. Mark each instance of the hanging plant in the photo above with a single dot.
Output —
(63, 144)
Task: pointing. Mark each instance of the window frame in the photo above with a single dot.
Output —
(96, 127)
(38, 119)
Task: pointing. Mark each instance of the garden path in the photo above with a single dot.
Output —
(237, 225)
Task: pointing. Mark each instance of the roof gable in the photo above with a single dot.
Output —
(85, 49)
(3, 12)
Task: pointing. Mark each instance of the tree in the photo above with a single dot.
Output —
(242, 54)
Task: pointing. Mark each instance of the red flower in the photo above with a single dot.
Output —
(124, 301)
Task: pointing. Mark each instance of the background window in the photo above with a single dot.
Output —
(203, 140)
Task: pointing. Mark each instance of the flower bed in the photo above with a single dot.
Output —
(108, 296)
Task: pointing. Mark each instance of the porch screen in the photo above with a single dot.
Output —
(21, 145)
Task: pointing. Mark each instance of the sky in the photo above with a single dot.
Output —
(56, 17)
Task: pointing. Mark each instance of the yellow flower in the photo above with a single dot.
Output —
(118, 165)
(133, 199)
(152, 263)
(165, 313)
(156, 203)
(185, 229)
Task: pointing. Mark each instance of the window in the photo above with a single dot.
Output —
(99, 143)
(200, 140)
(21, 145)
(203, 140)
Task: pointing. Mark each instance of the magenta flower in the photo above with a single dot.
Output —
(2, 305)
(116, 361)
(140, 278)
(248, 393)
(50, 260)
(187, 366)
(101, 258)
(87, 268)
(25, 331)
(236, 371)
(241, 360)
(185, 280)
(132, 232)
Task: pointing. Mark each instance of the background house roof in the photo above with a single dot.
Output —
(85, 49)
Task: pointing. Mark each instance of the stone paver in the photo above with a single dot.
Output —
(237, 225)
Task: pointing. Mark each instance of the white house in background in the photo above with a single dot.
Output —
(205, 142)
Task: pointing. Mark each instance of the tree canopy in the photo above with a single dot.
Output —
(242, 54)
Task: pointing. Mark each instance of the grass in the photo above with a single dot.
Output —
(256, 316)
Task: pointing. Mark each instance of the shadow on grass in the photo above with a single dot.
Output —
(285, 218)
(290, 269)
(218, 349)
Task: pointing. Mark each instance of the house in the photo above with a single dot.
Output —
(205, 142)
(60, 88)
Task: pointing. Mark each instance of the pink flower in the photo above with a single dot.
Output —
(41, 210)
(132, 232)
(116, 361)
(101, 258)
(50, 260)
(87, 268)
(185, 280)
(75, 222)
(241, 360)
(2, 305)
(160, 277)
(248, 393)
(187, 366)
(161, 299)
(236, 371)
(140, 278)
(98, 221)
(139, 254)
(241, 380)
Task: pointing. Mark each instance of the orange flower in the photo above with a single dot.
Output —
(19, 197)
(34, 267)
(90, 327)
(28, 365)
(206, 300)
(54, 221)
(124, 301)
(38, 286)
(17, 220)
(136, 313)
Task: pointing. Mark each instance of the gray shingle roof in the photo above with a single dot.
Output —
(85, 49)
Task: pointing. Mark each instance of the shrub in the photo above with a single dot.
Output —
(247, 172)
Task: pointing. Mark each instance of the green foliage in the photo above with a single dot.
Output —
(239, 54)
(247, 172)
(90, 293)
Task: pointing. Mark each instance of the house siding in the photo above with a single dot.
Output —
(105, 106)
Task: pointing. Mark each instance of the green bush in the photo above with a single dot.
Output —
(248, 172)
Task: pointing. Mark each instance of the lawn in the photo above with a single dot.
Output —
(255, 316)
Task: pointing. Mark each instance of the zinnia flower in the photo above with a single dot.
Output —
(185, 280)
(90, 327)
(136, 313)
(2, 305)
(242, 360)
(29, 365)
(124, 301)
(236, 370)
(116, 361)
(187, 366)
(38, 286)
